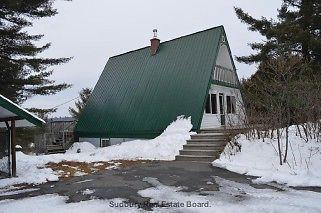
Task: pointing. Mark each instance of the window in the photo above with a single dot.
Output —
(104, 142)
(230, 102)
(208, 105)
(221, 100)
(211, 104)
(233, 104)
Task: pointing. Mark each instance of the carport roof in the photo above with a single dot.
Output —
(11, 111)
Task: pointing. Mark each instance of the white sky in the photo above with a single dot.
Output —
(91, 31)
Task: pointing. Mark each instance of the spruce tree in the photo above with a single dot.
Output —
(297, 31)
(84, 95)
(22, 73)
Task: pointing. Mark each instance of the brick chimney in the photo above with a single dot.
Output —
(154, 43)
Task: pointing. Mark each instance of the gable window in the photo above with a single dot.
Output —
(211, 104)
(231, 103)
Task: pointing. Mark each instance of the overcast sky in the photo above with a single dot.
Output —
(91, 31)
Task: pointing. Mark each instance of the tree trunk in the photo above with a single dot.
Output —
(286, 143)
(279, 145)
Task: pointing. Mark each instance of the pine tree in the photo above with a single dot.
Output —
(22, 73)
(296, 32)
(80, 105)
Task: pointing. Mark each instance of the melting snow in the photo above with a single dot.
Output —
(232, 197)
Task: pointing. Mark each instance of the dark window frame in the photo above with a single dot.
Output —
(233, 104)
(104, 142)
(208, 105)
(214, 108)
(230, 104)
(211, 104)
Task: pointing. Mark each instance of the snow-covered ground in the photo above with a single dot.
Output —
(56, 203)
(31, 169)
(260, 158)
(231, 197)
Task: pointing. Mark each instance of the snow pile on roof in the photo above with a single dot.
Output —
(261, 159)
(31, 169)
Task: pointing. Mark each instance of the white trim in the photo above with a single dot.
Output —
(214, 120)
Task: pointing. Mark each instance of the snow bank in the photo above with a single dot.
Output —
(31, 169)
(164, 147)
(261, 159)
(82, 147)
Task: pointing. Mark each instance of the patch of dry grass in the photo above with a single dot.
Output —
(68, 169)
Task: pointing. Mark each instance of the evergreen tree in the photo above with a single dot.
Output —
(22, 73)
(80, 104)
(296, 32)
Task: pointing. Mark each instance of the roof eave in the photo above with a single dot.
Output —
(21, 114)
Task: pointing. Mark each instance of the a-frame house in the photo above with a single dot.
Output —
(139, 93)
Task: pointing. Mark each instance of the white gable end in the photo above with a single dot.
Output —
(220, 95)
(223, 57)
(224, 70)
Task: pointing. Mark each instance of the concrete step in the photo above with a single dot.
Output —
(54, 149)
(199, 152)
(206, 143)
(216, 130)
(209, 136)
(222, 130)
(202, 147)
(195, 158)
(211, 140)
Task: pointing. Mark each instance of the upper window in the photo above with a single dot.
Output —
(211, 104)
(231, 103)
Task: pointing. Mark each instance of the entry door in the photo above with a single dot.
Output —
(222, 111)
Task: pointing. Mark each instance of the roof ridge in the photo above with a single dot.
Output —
(212, 28)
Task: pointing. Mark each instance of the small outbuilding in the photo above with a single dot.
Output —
(139, 93)
(11, 117)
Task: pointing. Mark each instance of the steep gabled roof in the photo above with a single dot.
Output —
(138, 95)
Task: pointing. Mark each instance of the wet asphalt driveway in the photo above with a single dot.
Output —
(125, 182)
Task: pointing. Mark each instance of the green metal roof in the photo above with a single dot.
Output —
(138, 95)
(11, 111)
